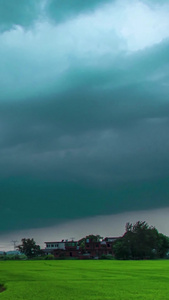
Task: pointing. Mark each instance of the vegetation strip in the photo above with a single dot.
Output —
(2, 288)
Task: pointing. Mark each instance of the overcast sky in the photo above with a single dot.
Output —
(84, 110)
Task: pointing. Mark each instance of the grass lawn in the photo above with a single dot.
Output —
(93, 280)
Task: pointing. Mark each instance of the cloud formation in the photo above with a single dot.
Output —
(83, 109)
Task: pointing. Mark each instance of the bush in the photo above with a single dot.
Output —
(13, 257)
(108, 256)
(2, 257)
(37, 258)
(2, 287)
(49, 257)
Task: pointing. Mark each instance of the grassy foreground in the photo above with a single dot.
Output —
(90, 280)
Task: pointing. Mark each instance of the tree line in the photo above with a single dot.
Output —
(140, 241)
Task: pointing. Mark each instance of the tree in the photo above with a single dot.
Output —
(91, 237)
(29, 248)
(163, 245)
(121, 249)
(141, 241)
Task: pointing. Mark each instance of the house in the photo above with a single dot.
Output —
(99, 248)
(64, 248)
(53, 246)
(92, 248)
(72, 249)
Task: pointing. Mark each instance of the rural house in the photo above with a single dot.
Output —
(90, 248)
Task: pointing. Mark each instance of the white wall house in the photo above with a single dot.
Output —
(55, 245)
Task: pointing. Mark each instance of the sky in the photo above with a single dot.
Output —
(84, 114)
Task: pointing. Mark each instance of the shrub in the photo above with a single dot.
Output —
(108, 256)
(49, 257)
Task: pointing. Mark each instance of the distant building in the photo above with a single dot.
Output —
(55, 245)
(90, 249)
(97, 249)
(62, 248)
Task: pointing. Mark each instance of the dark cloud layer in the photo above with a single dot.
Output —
(83, 129)
(26, 12)
(60, 11)
(18, 12)
(32, 203)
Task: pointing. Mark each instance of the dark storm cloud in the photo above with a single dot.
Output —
(84, 115)
(18, 12)
(26, 12)
(61, 10)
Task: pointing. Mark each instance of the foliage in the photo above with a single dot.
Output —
(121, 249)
(141, 241)
(108, 256)
(29, 248)
(91, 237)
(163, 245)
(2, 257)
(13, 257)
(40, 257)
(49, 257)
(2, 287)
(81, 243)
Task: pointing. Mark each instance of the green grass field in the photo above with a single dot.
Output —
(99, 279)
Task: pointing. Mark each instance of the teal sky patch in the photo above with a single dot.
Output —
(84, 109)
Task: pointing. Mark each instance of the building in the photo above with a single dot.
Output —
(64, 248)
(101, 248)
(54, 246)
(91, 248)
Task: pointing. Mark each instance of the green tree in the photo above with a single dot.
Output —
(162, 246)
(91, 237)
(141, 241)
(121, 249)
(29, 248)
